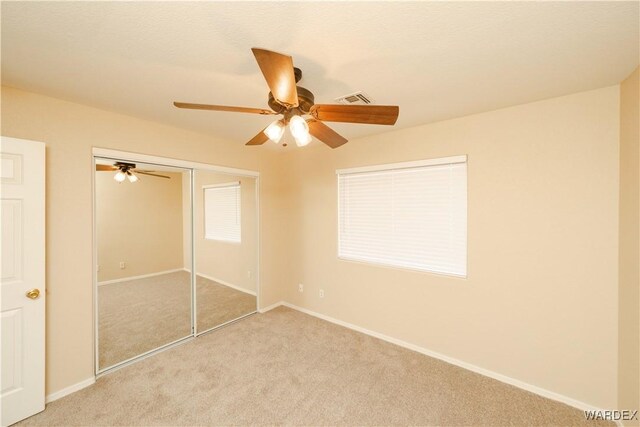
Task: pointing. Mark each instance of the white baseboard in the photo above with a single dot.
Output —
(502, 378)
(225, 283)
(142, 276)
(271, 307)
(68, 390)
(482, 371)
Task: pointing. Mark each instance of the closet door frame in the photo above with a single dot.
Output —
(192, 167)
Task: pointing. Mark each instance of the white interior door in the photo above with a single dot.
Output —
(22, 278)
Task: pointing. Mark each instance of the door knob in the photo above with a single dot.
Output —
(33, 293)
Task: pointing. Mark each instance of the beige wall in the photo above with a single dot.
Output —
(540, 301)
(629, 293)
(139, 224)
(70, 131)
(233, 263)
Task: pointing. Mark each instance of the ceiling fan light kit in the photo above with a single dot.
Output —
(294, 102)
(275, 131)
(303, 140)
(298, 127)
(124, 172)
(120, 176)
(132, 177)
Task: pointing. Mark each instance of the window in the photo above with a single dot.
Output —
(222, 212)
(411, 215)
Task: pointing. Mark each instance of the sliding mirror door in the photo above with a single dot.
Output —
(226, 247)
(143, 233)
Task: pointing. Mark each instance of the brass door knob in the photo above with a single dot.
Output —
(33, 293)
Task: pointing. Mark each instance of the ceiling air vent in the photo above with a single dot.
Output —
(358, 98)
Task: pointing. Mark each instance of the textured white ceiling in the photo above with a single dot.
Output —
(436, 60)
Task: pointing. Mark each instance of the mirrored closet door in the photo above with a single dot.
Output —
(143, 239)
(154, 226)
(226, 247)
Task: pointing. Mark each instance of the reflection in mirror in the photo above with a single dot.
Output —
(225, 222)
(143, 239)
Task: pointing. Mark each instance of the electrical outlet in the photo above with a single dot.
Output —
(249, 274)
(321, 293)
(300, 287)
(122, 265)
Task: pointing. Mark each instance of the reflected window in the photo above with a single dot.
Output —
(222, 212)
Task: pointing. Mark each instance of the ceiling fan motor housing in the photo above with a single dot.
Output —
(305, 101)
(123, 166)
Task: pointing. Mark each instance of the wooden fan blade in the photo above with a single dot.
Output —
(106, 168)
(325, 134)
(369, 114)
(259, 139)
(223, 108)
(151, 174)
(277, 70)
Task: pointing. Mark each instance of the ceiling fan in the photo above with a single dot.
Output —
(126, 171)
(293, 102)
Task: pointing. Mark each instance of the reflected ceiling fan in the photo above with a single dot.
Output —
(294, 102)
(126, 171)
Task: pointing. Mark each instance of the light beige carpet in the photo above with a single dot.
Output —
(218, 304)
(285, 367)
(140, 315)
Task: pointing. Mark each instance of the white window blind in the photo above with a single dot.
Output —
(222, 212)
(411, 215)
